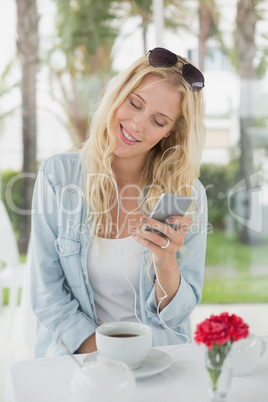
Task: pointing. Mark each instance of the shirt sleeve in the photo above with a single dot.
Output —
(51, 295)
(191, 263)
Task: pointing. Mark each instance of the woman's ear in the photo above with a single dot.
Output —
(168, 133)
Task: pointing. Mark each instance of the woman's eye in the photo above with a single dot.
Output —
(134, 105)
(159, 124)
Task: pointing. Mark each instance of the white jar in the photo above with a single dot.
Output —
(246, 354)
(104, 380)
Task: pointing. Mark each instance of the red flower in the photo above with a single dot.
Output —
(238, 329)
(220, 330)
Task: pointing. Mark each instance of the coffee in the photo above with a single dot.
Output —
(122, 335)
(128, 342)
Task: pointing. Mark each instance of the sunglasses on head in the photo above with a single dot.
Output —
(160, 57)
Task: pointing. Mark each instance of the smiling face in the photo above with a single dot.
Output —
(147, 115)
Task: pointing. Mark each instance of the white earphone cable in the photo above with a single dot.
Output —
(122, 255)
(148, 192)
(160, 301)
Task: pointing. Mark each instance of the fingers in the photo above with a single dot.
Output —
(179, 225)
(167, 243)
(159, 245)
(163, 235)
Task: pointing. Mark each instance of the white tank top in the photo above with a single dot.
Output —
(107, 272)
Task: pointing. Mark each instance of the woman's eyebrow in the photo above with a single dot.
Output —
(144, 101)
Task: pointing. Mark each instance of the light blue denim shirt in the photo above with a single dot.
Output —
(61, 292)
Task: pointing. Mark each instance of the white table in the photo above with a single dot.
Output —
(186, 380)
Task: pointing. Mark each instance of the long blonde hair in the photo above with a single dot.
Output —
(172, 173)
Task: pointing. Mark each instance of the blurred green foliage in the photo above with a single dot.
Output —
(218, 180)
(10, 194)
(6, 291)
(234, 273)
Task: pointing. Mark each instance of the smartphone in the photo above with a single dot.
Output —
(169, 205)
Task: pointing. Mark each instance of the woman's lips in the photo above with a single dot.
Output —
(126, 137)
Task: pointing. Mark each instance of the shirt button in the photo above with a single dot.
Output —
(61, 249)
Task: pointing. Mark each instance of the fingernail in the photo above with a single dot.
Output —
(170, 220)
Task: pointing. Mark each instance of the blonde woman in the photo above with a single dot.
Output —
(93, 260)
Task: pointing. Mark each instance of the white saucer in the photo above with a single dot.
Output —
(155, 362)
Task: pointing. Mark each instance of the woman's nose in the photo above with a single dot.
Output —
(138, 122)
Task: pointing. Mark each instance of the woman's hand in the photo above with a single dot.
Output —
(163, 248)
(89, 345)
(164, 251)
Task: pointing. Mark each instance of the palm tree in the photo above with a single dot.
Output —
(246, 19)
(27, 45)
(142, 8)
(86, 30)
(177, 14)
(208, 27)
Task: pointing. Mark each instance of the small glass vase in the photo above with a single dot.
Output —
(218, 362)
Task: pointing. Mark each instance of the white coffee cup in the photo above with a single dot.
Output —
(128, 342)
(246, 354)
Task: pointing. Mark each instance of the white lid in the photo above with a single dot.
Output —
(106, 372)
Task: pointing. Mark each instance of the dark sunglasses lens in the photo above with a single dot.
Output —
(160, 57)
(193, 76)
